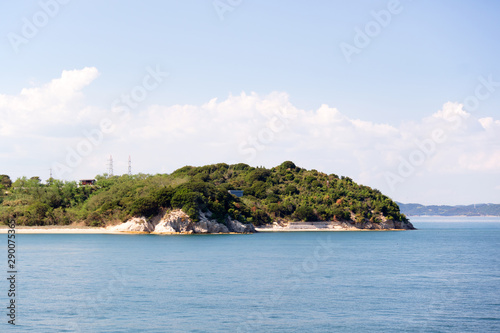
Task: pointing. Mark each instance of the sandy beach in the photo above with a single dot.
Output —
(58, 230)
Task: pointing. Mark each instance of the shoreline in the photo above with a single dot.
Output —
(263, 230)
(57, 230)
(96, 230)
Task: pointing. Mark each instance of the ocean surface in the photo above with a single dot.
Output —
(444, 277)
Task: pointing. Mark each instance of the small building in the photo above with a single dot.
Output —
(237, 193)
(84, 182)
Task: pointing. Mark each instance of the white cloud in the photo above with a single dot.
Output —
(249, 128)
(38, 108)
(482, 161)
(450, 112)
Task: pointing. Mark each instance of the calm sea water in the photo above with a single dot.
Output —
(444, 277)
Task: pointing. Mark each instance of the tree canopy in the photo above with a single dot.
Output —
(285, 192)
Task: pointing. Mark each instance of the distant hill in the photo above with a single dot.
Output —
(469, 210)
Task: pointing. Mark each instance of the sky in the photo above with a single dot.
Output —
(402, 96)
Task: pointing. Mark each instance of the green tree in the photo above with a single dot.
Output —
(287, 165)
(5, 181)
(305, 214)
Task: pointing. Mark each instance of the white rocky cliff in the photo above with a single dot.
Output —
(178, 222)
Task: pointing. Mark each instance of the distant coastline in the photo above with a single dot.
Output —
(412, 209)
(442, 216)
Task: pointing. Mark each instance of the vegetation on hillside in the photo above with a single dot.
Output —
(285, 192)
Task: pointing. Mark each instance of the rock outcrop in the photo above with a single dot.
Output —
(174, 222)
(136, 224)
(337, 226)
(385, 225)
(237, 226)
(404, 225)
(178, 222)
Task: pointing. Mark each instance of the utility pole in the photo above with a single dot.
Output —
(110, 166)
(50, 178)
(129, 166)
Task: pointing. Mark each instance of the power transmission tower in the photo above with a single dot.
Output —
(129, 166)
(110, 166)
(50, 178)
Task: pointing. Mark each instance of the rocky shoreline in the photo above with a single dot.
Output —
(387, 225)
(178, 222)
(328, 226)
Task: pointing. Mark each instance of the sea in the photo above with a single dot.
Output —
(443, 277)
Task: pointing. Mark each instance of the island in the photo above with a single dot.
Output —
(218, 198)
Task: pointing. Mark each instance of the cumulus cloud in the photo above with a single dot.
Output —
(249, 128)
(267, 129)
(38, 109)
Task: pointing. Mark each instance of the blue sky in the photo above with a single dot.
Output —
(286, 54)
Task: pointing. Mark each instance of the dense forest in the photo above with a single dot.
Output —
(465, 210)
(285, 192)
